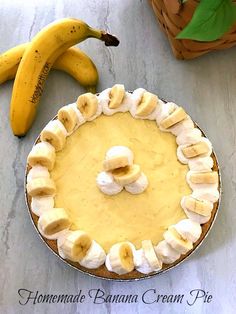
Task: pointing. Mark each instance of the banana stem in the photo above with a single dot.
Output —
(109, 39)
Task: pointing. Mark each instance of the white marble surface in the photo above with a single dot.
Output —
(205, 87)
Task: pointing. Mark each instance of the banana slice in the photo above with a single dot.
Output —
(121, 258)
(174, 239)
(37, 171)
(107, 185)
(87, 105)
(189, 137)
(53, 236)
(203, 208)
(80, 118)
(201, 163)
(68, 118)
(194, 149)
(74, 245)
(126, 175)
(166, 253)
(104, 100)
(147, 104)
(43, 154)
(138, 186)
(115, 162)
(180, 154)
(189, 230)
(194, 216)
(118, 156)
(195, 186)
(202, 148)
(210, 194)
(55, 134)
(41, 204)
(117, 94)
(176, 116)
(150, 255)
(136, 98)
(41, 187)
(204, 177)
(94, 257)
(53, 221)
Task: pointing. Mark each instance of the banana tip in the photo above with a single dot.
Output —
(19, 136)
(110, 40)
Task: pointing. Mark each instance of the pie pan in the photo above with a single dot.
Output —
(102, 272)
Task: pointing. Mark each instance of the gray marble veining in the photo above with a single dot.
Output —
(205, 86)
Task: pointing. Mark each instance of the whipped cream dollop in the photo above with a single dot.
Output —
(164, 112)
(108, 263)
(206, 194)
(182, 126)
(189, 230)
(138, 186)
(141, 263)
(103, 100)
(94, 257)
(61, 238)
(201, 163)
(41, 204)
(107, 184)
(189, 136)
(37, 171)
(166, 253)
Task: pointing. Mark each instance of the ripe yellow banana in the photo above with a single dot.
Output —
(73, 61)
(39, 56)
(9, 62)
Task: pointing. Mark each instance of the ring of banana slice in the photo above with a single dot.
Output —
(120, 173)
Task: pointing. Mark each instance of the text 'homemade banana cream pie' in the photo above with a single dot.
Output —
(122, 180)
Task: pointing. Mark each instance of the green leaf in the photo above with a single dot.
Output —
(211, 19)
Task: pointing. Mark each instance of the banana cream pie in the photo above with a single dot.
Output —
(122, 181)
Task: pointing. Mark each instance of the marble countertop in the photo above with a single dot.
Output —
(205, 87)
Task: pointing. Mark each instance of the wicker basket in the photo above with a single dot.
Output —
(173, 17)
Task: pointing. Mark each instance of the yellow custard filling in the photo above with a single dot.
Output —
(121, 217)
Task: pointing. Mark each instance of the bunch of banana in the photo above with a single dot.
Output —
(32, 63)
(73, 61)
